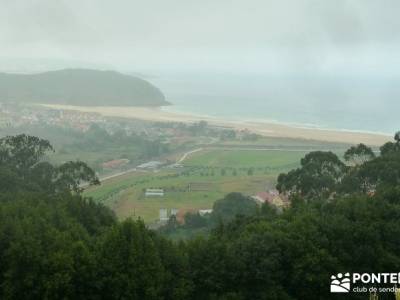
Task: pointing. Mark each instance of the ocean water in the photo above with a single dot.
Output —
(369, 104)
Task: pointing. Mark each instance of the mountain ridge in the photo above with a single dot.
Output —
(86, 87)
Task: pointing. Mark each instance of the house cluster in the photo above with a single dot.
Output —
(16, 115)
(272, 197)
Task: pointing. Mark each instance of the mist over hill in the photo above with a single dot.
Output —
(80, 87)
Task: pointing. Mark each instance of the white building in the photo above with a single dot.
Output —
(151, 165)
(163, 214)
(154, 193)
(203, 212)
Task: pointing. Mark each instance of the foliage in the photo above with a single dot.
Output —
(22, 165)
(359, 154)
(55, 244)
(22, 152)
(390, 147)
(232, 205)
(194, 220)
(319, 175)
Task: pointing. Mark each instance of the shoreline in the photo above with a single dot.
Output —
(265, 128)
(310, 126)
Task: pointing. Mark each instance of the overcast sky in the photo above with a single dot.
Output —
(220, 35)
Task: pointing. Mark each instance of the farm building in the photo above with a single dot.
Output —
(154, 193)
(151, 165)
(272, 197)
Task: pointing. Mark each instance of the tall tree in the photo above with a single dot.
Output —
(319, 175)
(22, 151)
(232, 205)
(390, 147)
(357, 155)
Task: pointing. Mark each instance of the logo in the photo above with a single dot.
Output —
(365, 282)
(340, 283)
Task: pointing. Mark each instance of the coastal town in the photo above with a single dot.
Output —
(16, 115)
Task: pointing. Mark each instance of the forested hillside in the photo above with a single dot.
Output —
(56, 244)
(79, 87)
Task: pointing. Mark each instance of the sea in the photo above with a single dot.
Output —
(345, 102)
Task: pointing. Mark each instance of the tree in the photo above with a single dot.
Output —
(45, 250)
(56, 245)
(129, 264)
(22, 156)
(71, 174)
(357, 155)
(397, 137)
(232, 205)
(194, 220)
(383, 171)
(10, 182)
(319, 176)
(22, 151)
(390, 147)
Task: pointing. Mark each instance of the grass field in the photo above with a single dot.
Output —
(221, 158)
(125, 194)
(287, 143)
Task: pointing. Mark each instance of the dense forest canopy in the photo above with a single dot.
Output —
(79, 87)
(56, 244)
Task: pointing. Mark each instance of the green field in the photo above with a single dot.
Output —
(126, 196)
(246, 158)
(220, 171)
(287, 143)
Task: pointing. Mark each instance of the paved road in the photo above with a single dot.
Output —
(117, 174)
(185, 155)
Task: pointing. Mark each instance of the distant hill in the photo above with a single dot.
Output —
(79, 87)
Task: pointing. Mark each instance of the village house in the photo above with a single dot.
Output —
(272, 197)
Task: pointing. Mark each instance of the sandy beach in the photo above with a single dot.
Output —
(263, 128)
